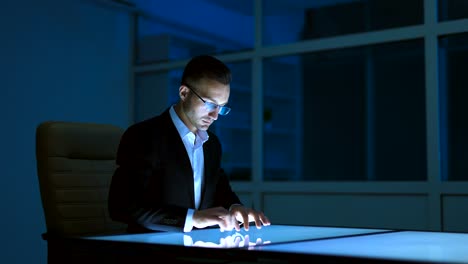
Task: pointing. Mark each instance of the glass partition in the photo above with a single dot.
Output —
(452, 9)
(453, 62)
(346, 115)
(354, 113)
(282, 118)
(155, 91)
(287, 21)
(171, 30)
(235, 129)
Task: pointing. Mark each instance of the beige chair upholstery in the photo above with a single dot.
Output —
(75, 163)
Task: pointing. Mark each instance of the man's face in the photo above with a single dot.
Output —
(199, 116)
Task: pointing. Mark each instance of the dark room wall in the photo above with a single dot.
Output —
(60, 60)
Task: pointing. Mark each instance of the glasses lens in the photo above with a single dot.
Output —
(210, 106)
(224, 110)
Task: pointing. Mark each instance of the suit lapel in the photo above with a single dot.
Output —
(207, 159)
(176, 148)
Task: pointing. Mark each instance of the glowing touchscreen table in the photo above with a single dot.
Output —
(279, 244)
(401, 246)
(214, 238)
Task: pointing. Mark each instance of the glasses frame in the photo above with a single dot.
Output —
(222, 110)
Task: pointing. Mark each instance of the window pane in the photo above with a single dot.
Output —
(286, 21)
(452, 9)
(235, 129)
(166, 31)
(334, 115)
(282, 118)
(453, 62)
(399, 118)
(154, 92)
(354, 114)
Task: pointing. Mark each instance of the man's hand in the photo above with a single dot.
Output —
(245, 215)
(229, 219)
(214, 216)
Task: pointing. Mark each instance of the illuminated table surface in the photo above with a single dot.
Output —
(417, 246)
(214, 238)
(303, 244)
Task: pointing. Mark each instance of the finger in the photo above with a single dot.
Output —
(224, 223)
(237, 241)
(264, 219)
(236, 225)
(246, 226)
(222, 227)
(259, 241)
(258, 222)
(234, 222)
(222, 242)
(230, 222)
(245, 219)
(246, 240)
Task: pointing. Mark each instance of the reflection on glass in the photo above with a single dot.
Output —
(453, 58)
(165, 31)
(227, 241)
(452, 9)
(286, 21)
(272, 234)
(350, 114)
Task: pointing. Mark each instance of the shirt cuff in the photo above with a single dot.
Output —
(189, 220)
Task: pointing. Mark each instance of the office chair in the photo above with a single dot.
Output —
(75, 164)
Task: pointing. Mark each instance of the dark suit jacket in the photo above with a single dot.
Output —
(152, 187)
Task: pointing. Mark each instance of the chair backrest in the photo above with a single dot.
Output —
(75, 164)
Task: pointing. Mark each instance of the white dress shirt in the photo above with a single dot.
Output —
(194, 145)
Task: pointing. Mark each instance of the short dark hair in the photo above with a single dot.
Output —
(206, 67)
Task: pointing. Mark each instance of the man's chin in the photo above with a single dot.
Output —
(203, 127)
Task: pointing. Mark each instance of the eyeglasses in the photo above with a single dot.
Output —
(222, 110)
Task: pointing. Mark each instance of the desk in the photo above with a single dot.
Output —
(279, 244)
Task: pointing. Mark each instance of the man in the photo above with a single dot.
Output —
(169, 174)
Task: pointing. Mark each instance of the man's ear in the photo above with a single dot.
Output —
(183, 92)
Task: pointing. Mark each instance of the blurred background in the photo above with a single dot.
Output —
(344, 112)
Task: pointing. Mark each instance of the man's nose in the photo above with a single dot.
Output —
(214, 114)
